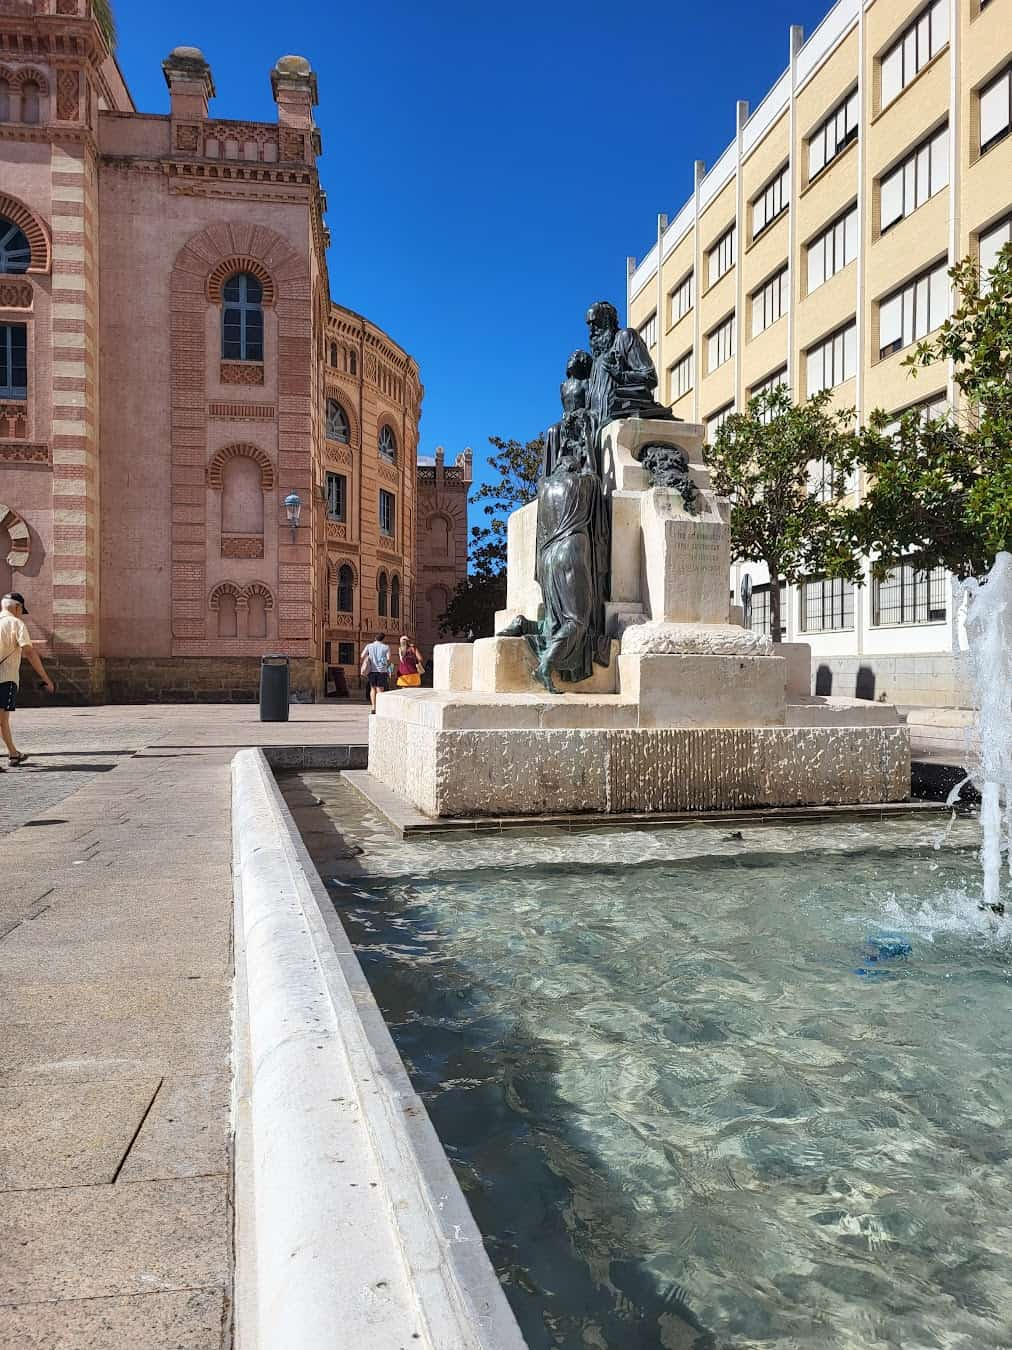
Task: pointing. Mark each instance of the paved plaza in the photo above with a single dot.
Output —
(116, 949)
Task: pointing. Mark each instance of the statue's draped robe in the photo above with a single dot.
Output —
(552, 438)
(572, 566)
(630, 391)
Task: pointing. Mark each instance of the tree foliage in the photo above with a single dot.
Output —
(940, 490)
(106, 22)
(515, 467)
(771, 462)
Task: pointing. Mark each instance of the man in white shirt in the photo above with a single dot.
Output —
(15, 642)
(376, 666)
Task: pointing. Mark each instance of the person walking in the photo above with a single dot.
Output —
(410, 666)
(376, 666)
(15, 642)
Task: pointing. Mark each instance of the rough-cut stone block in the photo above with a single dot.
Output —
(532, 771)
(686, 558)
(522, 592)
(626, 549)
(622, 443)
(700, 639)
(817, 711)
(452, 665)
(798, 656)
(506, 666)
(705, 691)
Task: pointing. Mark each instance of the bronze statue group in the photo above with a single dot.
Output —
(615, 379)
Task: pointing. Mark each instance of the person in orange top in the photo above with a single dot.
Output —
(410, 666)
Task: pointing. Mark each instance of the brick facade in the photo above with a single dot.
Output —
(143, 476)
(442, 549)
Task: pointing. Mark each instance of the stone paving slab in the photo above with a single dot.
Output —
(189, 1320)
(69, 1134)
(186, 1131)
(116, 959)
(90, 1241)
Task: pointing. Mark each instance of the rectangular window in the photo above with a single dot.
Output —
(680, 378)
(913, 49)
(823, 483)
(681, 299)
(13, 360)
(648, 331)
(907, 596)
(774, 381)
(833, 249)
(923, 173)
(832, 361)
(346, 653)
(720, 344)
(826, 606)
(769, 302)
(996, 110)
(337, 496)
(992, 242)
(720, 258)
(772, 202)
(716, 420)
(761, 619)
(913, 311)
(833, 135)
(928, 410)
(386, 512)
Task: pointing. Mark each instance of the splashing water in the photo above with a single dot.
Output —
(989, 632)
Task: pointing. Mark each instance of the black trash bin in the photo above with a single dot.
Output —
(274, 689)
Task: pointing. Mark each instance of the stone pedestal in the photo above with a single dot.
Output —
(452, 665)
(693, 713)
(506, 666)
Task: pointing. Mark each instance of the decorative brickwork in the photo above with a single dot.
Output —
(15, 294)
(22, 452)
(206, 679)
(19, 534)
(215, 469)
(13, 421)
(241, 546)
(335, 530)
(241, 372)
(229, 267)
(242, 412)
(68, 95)
(187, 137)
(35, 232)
(213, 254)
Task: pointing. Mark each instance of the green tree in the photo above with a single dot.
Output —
(106, 22)
(783, 466)
(515, 468)
(940, 489)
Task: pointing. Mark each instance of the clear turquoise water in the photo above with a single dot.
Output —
(680, 1116)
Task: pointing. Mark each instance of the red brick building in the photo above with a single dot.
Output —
(172, 368)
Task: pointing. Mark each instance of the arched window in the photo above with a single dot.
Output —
(381, 598)
(395, 598)
(333, 353)
(242, 319)
(228, 624)
(15, 250)
(256, 622)
(345, 590)
(30, 105)
(5, 101)
(387, 444)
(242, 496)
(352, 364)
(337, 422)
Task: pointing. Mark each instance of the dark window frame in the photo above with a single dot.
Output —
(14, 360)
(337, 496)
(242, 318)
(387, 513)
(14, 249)
(345, 589)
(908, 590)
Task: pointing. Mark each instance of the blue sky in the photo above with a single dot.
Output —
(488, 166)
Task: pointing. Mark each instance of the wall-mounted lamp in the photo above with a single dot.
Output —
(293, 507)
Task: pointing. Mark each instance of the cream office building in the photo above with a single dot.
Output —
(814, 253)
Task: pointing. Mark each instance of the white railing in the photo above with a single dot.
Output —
(769, 110)
(721, 173)
(826, 38)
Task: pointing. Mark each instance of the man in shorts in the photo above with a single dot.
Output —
(376, 666)
(15, 641)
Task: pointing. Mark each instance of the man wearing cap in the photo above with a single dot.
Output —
(15, 642)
